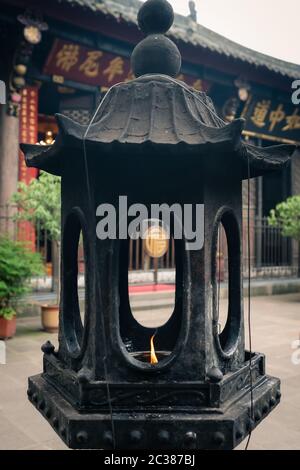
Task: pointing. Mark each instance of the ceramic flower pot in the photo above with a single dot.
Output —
(50, 318)
(8, 327)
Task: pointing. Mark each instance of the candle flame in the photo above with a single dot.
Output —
(153, 358)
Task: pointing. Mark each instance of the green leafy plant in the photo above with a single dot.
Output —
(39, 202)
(17, 265)
(286, 216)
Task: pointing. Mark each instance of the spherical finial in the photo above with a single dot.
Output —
(156, 53)
(155, 16)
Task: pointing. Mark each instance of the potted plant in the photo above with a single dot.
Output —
(39, 202)
(17, 265)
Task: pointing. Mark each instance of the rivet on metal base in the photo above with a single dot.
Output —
(135, 436)
(219, 438)
(190, 440)
(82, 437)
(163, 436)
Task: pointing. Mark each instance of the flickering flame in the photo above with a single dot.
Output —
(153, 358)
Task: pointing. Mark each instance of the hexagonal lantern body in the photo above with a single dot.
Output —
(154, 140)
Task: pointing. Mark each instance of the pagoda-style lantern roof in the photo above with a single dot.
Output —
(156, 110)
(159, 111)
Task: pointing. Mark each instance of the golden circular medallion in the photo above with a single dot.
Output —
(156, 241)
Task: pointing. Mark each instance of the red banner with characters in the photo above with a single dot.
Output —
(97, 68)
(28, 135)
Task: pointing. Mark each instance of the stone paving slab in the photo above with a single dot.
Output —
(275, 325)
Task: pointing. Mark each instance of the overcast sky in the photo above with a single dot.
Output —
(268, 26)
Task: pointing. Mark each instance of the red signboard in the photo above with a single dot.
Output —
(28, 135)
(28, 129)
(94, 67)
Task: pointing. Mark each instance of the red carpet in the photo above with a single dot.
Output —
(141, 289)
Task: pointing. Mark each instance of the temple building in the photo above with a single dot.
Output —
(64, 56)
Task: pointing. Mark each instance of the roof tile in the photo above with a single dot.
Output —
(184, 29)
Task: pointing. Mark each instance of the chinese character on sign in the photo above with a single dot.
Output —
(130, 76)
(260, 113)
(67, 57)
(293, 121)
(90, 67)
(276, 117)
(115, 68)
(272, 118)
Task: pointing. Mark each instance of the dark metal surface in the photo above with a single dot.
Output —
(156, 53)
(204, 429)
(162, 115)
(198, 394)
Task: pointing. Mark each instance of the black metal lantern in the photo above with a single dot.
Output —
(100, 390)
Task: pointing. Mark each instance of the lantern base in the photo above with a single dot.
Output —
(205, 428)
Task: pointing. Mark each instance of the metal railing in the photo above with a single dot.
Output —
(272, 255)
(271, 248)
(139, 260)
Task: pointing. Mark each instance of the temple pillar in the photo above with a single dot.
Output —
(9, 163)
(252, 211)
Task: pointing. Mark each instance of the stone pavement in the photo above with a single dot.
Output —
(275, 326)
